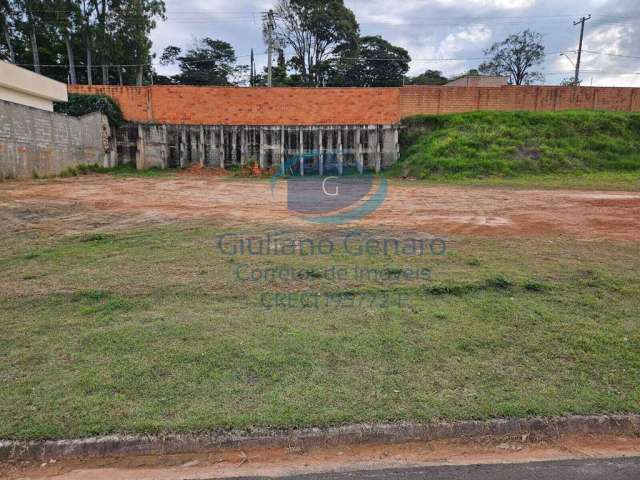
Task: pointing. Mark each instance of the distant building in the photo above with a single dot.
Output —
(25, 87)
(478, 81)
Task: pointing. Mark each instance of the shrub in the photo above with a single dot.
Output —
(79, 105)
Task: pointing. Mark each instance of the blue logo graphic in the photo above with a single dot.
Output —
(333, 198)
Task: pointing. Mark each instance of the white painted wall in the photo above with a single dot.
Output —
(25, 87)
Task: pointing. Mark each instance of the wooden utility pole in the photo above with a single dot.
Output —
(581, 23)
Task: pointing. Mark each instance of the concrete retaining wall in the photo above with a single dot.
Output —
(38, 143)
(329, 149)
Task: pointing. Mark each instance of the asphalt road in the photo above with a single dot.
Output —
(615, 469)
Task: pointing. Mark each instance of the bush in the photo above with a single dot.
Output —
(79, 105)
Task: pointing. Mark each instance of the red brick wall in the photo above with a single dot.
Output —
(134, 101)
(346, 106)
(439, 100)
(254, 106)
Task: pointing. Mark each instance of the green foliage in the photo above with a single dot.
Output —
(66, 33)
(515, 143)
(367, 70)
(209, 62)
(429, 77)
(79, 105)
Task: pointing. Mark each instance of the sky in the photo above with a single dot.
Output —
(446, 35)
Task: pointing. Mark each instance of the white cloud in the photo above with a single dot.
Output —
(440, 29)
(490, 4)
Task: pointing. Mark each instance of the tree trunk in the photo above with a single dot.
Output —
(105, 73)
(89, 66)
(34, 48)
(140, 75)
(7, 38)
(72, 63)
(120, 75)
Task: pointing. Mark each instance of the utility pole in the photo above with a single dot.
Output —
(581, 23)
(252, 74)
(269, 48)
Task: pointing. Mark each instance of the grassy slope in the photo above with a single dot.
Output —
(516, 143)
(149, 331)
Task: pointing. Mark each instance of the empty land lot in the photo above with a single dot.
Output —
(120, 314)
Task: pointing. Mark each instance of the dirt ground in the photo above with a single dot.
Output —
(274, 462)
(95, 201)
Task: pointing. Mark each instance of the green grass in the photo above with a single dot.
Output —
(620, 181)
(509, 144)
(150, 331)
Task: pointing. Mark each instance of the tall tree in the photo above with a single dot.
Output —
(32, 11)
(6, 17)
(67, 14)
(139, 20)
(515, 57)
(208, 62)
(378, 64)
(87, 14)
(318, 31)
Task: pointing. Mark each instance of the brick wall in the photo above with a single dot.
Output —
(346, 106)
(439, 100)
(253, 106)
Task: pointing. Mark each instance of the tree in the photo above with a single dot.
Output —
(378, 64)
(208, 62)
(515, 57)
(570, 82)
(6, 14)
(429, 77)
(318, 31)
(32, 13)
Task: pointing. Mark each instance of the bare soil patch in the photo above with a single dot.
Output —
(99, 200)
(290, 461)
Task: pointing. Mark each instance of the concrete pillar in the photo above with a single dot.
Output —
(212, 144)
(282, 155)
(140, 157)
(320, 151)
(243, 145)
(378, 154)
(374, 148)
(329, 144)
(113, 149)
(262, 149)
(389, 146)
(201, 146)
(221, 148)
(164, 148)
(301, 150)
(183, 146)
(340, 152)
(234, 145)
(358, 147)
(195, 150)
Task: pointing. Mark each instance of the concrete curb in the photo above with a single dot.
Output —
(121, 445)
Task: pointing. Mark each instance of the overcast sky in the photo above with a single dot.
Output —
(434, 30)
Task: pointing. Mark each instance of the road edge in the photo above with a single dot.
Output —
(535, 428)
